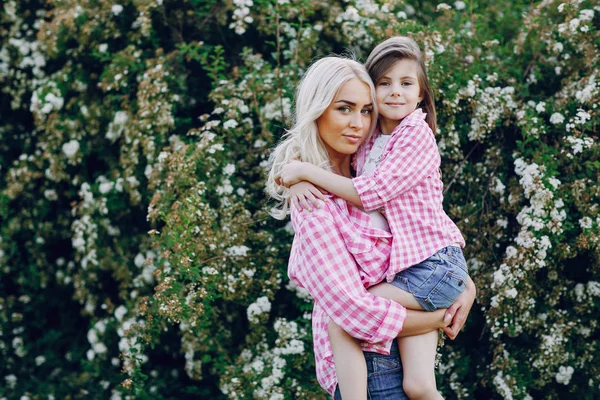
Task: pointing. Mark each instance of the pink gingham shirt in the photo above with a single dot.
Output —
(408, 186)
(336, 255)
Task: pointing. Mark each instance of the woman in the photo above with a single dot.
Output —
(336, 252)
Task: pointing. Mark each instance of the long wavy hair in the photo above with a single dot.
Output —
(387, 53)
(315, 92)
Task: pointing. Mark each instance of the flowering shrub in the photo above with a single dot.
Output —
(137, 257)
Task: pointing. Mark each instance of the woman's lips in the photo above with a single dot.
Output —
(352, 138)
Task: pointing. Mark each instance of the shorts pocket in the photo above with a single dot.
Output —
(447, 290)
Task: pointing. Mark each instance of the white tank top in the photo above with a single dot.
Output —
(371, 164)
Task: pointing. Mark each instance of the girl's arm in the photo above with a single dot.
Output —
(339, 185)
(412, 159)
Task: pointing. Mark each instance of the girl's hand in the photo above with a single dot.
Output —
(291, 173)
(459, 310)
(303, 193)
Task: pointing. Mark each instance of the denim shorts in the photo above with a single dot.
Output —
(436, 282)
(384, 376)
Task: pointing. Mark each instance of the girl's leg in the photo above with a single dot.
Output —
(350, 365)
(416, 352)
(418, 362)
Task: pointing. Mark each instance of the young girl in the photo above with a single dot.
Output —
(399, 185)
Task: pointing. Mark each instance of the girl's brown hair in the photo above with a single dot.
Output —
(389, 52)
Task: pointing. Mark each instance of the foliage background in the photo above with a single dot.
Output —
(137, 257)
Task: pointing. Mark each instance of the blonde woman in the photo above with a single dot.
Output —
(337, 252)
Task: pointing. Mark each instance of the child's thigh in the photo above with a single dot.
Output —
(391, 292)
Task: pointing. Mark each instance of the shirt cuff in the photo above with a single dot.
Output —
(366, 186)
(391, 325)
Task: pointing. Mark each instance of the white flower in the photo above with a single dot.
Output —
(237, 251)
(50, 194)
(511, 252)
(232, 123)
(540, 107)
(229, 169)
(401, 15)
(564, 374)
(116, 9)
(586, 15)
(106, 187)
(459, 5)
(11, 381)
(500, 187)
(103, 47)
(260, 306)
(70, 148)
(557, 47)
(585, 223)
(443, 6)
(139, 260)
(120, 312)
(557, 118)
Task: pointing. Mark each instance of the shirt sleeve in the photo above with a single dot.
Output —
(413, 157)
(323, 266)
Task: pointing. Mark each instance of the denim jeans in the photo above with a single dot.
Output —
(384, 376)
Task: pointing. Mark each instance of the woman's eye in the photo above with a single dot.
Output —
(366, 111)
(344, 109)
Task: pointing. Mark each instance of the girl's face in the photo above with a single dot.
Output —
(397, 93)
(345, 123)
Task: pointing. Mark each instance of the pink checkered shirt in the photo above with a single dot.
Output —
(336, 255)
(408, 186)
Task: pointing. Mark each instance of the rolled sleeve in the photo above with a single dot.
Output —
(323, 266)
(413, 157)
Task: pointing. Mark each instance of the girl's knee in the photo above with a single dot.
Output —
(419, 388)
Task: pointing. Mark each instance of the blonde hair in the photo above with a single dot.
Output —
(315, 92)
(389, 52)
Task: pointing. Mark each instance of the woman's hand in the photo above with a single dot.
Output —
(459, 310)
(303, 193)
(291, 173)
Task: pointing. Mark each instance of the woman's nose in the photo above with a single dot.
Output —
(356, 121)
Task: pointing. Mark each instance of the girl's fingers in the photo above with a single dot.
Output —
(305, 203)
(313, 199)
(294, 200)
(318, 194)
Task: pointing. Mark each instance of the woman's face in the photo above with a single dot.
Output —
(345, 123)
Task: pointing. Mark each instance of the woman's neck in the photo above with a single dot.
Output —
(341, 166)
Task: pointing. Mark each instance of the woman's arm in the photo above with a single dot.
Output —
(420, 322)
(321, 264)
(459, 311)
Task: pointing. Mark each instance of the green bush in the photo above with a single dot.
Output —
(137, 257)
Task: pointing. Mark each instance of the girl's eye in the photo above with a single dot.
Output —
(406, 83)
(344, 109)
(384, 83)
(366, 111)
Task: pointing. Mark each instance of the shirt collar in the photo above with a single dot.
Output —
(414, 118)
